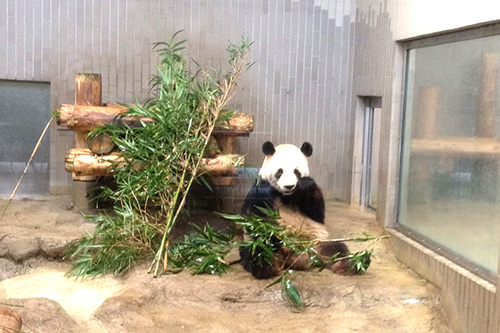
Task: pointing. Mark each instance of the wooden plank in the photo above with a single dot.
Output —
(86, 118)
(486, 112)
(82, 117)
(427, 111)
(456, 146)
(239, 122)
(82, 162)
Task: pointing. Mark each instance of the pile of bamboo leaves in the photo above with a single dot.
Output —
(205, 250)
(161, 161)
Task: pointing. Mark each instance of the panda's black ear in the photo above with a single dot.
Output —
(268, 148)
(306, 149)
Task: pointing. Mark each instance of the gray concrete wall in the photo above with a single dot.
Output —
(299, 89)
(304, 85)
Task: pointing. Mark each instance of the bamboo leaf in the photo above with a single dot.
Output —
(292, 294)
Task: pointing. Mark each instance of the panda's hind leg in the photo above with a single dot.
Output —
(344, 266)
(300, 262)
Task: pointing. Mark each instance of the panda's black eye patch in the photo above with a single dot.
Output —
(297, 173)
(278, 173)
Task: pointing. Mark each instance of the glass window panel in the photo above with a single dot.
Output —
(449, 185)
(24, 112)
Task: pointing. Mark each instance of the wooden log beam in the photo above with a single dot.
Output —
(458, 146)
(227, 159)
(219, 170)
(82, 162)
(94, 165)
(86, 118)
(101, 144)
(238, 123)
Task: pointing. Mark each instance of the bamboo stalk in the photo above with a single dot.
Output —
(352, 239)
(221, 101)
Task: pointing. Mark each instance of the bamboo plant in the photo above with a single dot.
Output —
(161, 161)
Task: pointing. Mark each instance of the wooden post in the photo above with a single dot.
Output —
(88, 92)
(486, 124)
(487, 170)
(227, 144)
(426, 116)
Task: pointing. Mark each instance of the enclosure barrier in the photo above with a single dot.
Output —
(93, 157)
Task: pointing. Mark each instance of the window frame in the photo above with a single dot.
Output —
(441, 38)
(46, 86)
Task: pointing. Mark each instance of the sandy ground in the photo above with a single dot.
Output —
(388, 298)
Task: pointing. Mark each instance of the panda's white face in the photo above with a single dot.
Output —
(284, 165)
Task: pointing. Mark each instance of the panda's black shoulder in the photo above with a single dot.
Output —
(262, 195)
(307, 199)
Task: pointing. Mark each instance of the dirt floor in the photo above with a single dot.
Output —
(388, 298)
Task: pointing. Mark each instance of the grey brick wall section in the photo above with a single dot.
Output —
(293, 91)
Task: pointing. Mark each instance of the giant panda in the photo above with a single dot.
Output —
(284, 184)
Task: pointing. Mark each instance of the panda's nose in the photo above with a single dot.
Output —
(289, 187)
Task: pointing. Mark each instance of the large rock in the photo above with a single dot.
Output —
(8, 269)
(44, 315)
(123, 314)
(19, 248)
(10, 321)
(55, 248)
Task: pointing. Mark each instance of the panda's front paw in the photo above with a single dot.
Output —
(259, 268)
(264, 271)
(306, 184)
